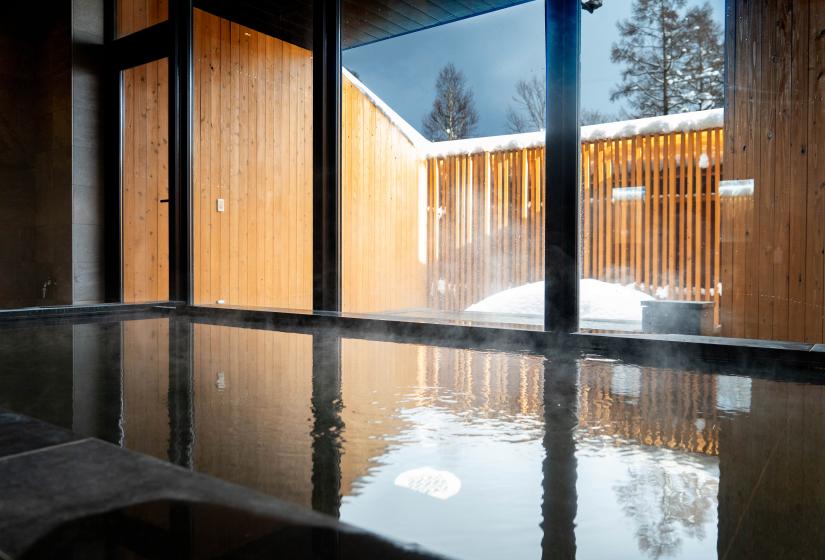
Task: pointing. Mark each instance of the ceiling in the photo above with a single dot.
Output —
(364, 21)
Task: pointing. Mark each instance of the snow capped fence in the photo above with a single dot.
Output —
(650, 209)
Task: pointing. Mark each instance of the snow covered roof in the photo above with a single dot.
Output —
(697, 120)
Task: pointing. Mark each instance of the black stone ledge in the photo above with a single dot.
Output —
(777, 360)
(59, 485)
(786, 361)
(22, 434)
(379, 328)
(84, 311)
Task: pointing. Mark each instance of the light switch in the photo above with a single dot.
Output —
(220, 205)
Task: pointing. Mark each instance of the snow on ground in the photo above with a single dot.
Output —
(597, 301)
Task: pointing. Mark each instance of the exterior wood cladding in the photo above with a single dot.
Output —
(384, 211)
(145, 182)
(773, 249)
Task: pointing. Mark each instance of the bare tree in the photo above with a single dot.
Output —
(595, 116)
(453, 115)
(672, 62)
(530, 112)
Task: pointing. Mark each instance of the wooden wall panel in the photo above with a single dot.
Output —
(145, 182)
(134, 15)
(383, 214)
(253, 414)
(253, 149)
(773, 250)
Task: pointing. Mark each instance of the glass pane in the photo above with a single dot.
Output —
(252, 173)
(443, 164)
(145, 183)
(134, 15)
(701, 183)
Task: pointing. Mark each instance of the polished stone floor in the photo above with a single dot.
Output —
(468, 453)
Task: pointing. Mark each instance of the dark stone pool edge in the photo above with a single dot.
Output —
(50, 477)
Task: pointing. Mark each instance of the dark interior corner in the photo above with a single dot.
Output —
(51, 154)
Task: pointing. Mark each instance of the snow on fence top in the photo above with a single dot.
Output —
(680, 122)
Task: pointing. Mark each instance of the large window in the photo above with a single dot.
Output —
(700, 198)
(252, 173)
(443, 165)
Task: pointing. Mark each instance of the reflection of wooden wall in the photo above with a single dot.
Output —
(145, 172)
(252, 148)
(145, 364)
(771, 480)
(134, 15)
(382, 378)
(666, 412)
(773, 258)
(381, 211)
(254, 431)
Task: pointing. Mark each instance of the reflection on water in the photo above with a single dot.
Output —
(463, 425)
(472, 454)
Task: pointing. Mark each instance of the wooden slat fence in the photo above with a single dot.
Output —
(650, 217)
(485, 216)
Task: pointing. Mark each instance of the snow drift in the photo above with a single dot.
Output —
(598, 300)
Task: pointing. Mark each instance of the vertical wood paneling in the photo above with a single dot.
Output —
(145, 182)
(134, 15)
(252, 144)
(382, 211)
(773, 250)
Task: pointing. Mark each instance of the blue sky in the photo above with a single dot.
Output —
(494, 51)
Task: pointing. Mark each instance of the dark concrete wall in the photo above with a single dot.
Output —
(16, 167)
(51, 180)
(87, 152)
(51, 114)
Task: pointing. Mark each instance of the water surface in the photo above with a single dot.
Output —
(473, 454)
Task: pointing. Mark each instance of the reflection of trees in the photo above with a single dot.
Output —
(662, 500)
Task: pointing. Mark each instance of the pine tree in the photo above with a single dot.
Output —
(531, 106)
(704, 64)
(672, 61)
(453, 115)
